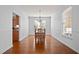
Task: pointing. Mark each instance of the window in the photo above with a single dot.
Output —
(67, 22)
(40, 24)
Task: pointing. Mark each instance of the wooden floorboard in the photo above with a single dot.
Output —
(27, 46)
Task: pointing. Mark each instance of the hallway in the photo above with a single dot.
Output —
(52, 46)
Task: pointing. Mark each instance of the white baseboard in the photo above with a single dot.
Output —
(5, 49)
(65, 43)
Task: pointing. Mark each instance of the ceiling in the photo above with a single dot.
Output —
(32, 10)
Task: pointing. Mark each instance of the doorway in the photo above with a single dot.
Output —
(45, 19)
(15, 29)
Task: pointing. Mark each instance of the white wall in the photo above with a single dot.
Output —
(57, 28)
(5, 28)
(6, 13)
(76, 28)
(24, 27)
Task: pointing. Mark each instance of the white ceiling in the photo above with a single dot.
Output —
(32, 10)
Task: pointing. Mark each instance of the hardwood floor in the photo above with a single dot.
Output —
(27, 46)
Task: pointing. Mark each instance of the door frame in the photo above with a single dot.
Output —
(14, 15)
